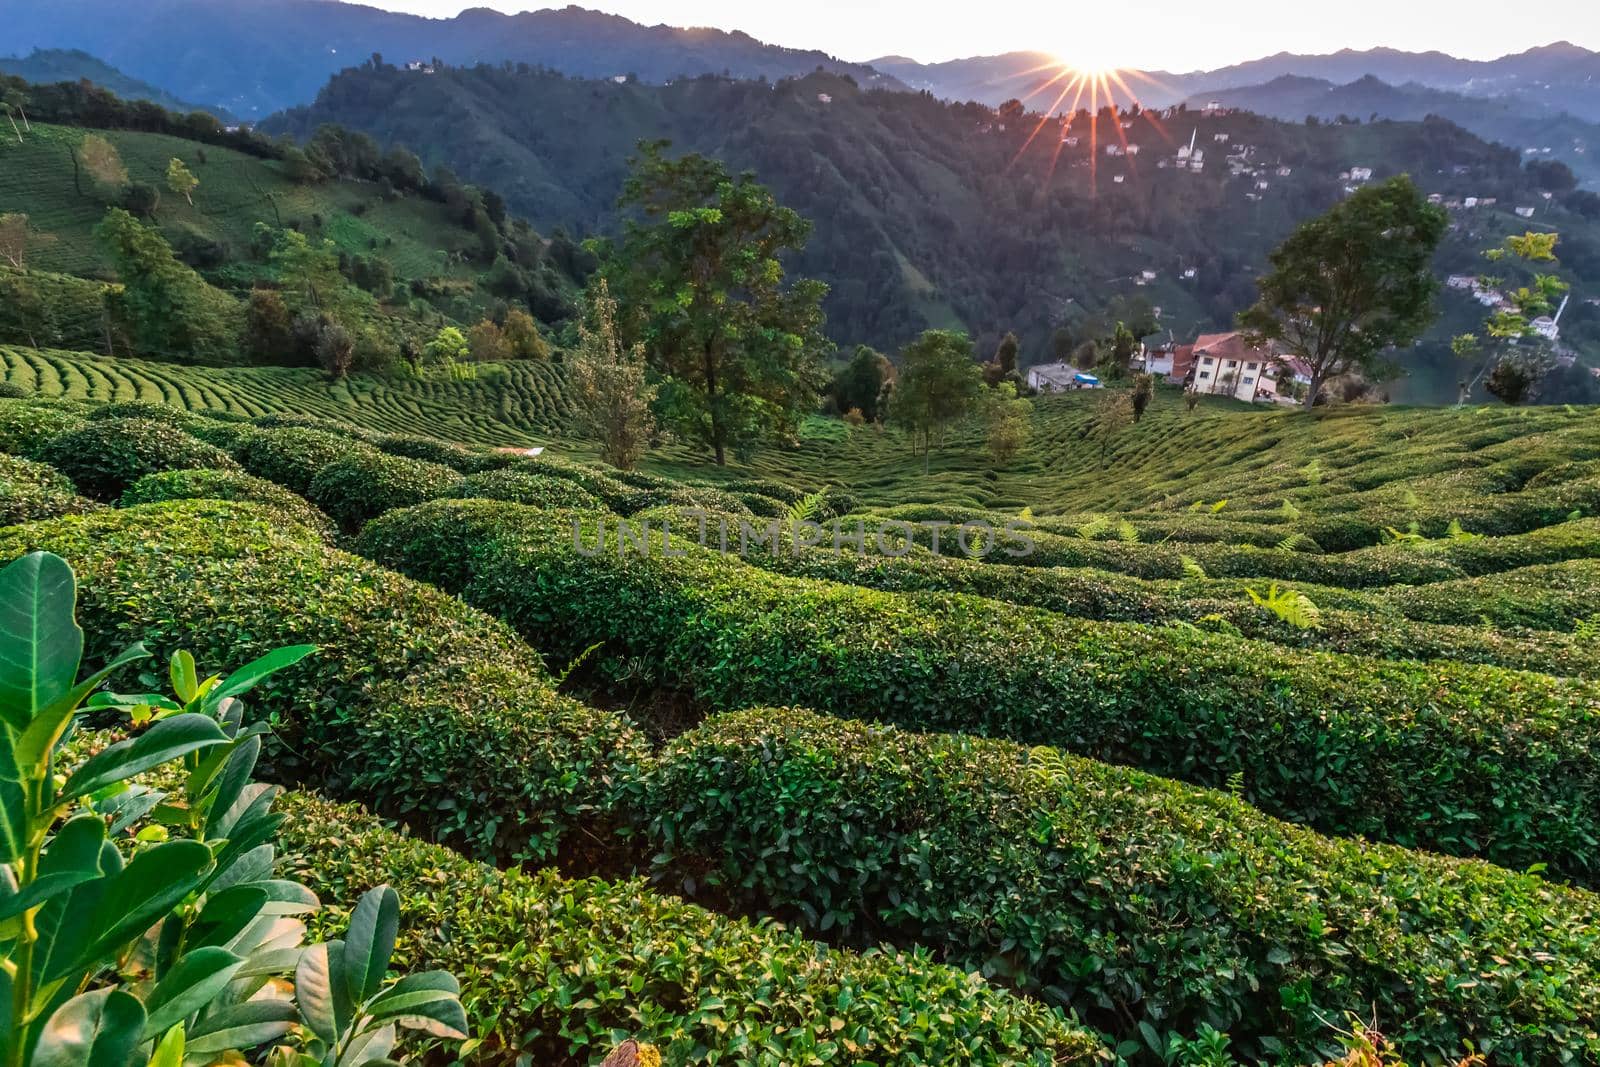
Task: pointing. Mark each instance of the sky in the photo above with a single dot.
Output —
(1173, 35)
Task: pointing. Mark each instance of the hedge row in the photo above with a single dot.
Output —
(1364, 626)
(416, 703)
(1554, 596)
(105, 457)
(521, 487)
(227, 485)
(1465, 759)
(556, 972)
(31, 491)
(1140, 899)
(25, 425)
(366, 483)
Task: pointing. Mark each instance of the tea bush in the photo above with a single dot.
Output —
(1465, 759)
(1552, 596)
(428, 449)
(367, 483)
(25, 425)
(293, 456)
(1142, 899)
(535, 490)
(556, 972)
(31, 491)
(418, 704)
(227, 485)
(104, 458)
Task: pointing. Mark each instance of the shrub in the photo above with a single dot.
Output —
(293, 456)
(231, 437)
(146, 410)
(556, 970)
(430, 449)
(1465, 759)
(13, 391)
(129, 947)
(365, 484)
(26, 425)
(31, 491)
(535, 490)
(421, 706)
(104, 458)
(289, 421)
(227, 485)
(1153, 902)
(1550, 596)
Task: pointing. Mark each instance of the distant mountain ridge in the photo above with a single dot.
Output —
(69, 65)
(255, 57)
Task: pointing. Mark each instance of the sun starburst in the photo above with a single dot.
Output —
(1091, 88)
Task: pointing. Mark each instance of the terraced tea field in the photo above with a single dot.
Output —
(1274, 702)
(514, 404)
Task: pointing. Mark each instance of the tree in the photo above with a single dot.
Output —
(1004, 363)
(860, 383)
(14, 239)
(609, 388)
(1515, 355)
(1061, 341)
(1352, 284)
(1112, 415)
(523, 336)
(268, 328)
(1123, 347)
(168, 308)
(101, 159)
(1010, 425)
(1144, 388)
(448, 346)
(938, 383)
(699, 279)
(15, 102)
(181, 181)
(488, 343)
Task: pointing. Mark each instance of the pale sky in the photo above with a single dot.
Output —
(1175, 35)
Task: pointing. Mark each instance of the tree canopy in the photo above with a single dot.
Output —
(1351, 284)
(698, 276)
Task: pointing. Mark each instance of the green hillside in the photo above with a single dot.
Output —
(45, 65)
(928, 213)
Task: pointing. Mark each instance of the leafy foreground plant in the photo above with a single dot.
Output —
(167, 944)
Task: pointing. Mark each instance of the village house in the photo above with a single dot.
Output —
(1361, 174)
(1060, 378)
(1525, 212)
(1462, 281)
(1225, 364)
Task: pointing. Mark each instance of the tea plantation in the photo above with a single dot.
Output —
(1259, 732)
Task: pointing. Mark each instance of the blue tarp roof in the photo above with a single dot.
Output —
(1086, 379)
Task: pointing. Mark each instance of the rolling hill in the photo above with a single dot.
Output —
(70, 65)
(935, 214)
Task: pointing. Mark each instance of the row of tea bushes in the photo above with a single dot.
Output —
(1139, 899)
(416, 703)
(31, 491)
(556, 972)
(1465, 759)
(1368, 626)
(207, 484)
(1554, 596)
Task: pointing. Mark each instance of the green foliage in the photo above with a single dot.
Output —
(26, 425)
(31, 491)
(554, 971)
(1294, 608)
(409, 681)
(163, 944)
(699, 278)
(104, 458)
(1138, 899)
(167, 309)
(1107, 691)
(293, 456)
(1353, 283)
(226, 485)
(367, 483)
(525, 487)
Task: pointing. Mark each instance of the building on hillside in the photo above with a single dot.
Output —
(1133, 150)
(1525, 212)
(824, 98)
(1361, 174)
(1227, 365)
(1462, 281)
(1221, 138)
(1060, 378)
(1469, 202)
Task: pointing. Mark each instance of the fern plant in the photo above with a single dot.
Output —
(1093, 527)
(1289, 512)
(1127, 532)
(1292, 607)
(1191, 567)
(1411, 535)
(1295, 542)
(806, 508)
(1588, 629)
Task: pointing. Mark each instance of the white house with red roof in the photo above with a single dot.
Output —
(1225, 364)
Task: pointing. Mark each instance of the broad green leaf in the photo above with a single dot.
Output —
(42, 889)
(232, 782)
(370, 942)
(97, 1029)
(165, 741)
(321, 989)
(47, 728)
(13, 800)
(79, 845)
(242, 1026)
(40, 642)
(428, 1001)
(251, 674)
(185, 682)
(152, 883)
(169, 1051)
(194, 982)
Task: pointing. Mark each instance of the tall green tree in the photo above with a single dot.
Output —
(859, 385)
(168, 308)
(939, 383)
(699, 281)
(182, 181)
(1350, 285)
